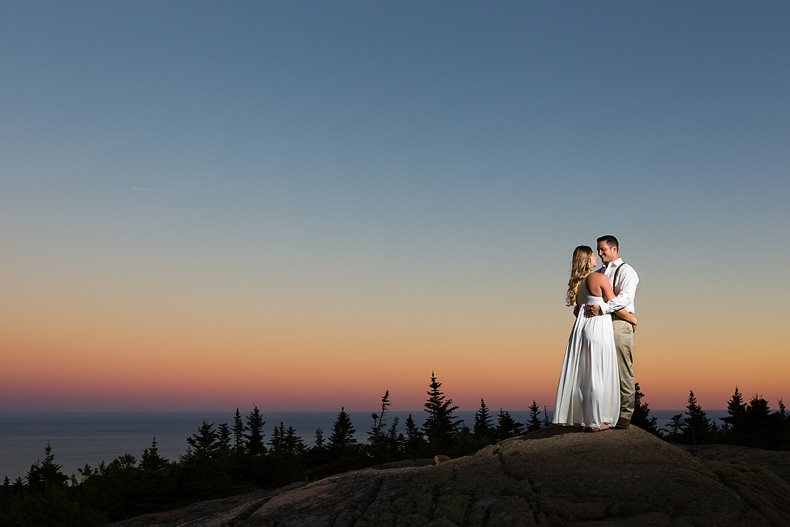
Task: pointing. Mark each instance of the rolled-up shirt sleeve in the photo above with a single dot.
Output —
(627, 281)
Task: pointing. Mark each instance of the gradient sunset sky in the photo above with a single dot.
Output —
(300, 205)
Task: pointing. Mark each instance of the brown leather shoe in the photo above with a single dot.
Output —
(623, 423)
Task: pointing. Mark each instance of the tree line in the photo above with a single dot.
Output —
(237, 457)
(750, 424)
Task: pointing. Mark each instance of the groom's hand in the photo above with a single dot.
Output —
(592, 310)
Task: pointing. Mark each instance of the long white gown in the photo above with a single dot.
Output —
(588, 393)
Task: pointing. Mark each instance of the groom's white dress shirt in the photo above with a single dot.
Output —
(624, 289)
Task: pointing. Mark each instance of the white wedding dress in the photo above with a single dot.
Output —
(588, 393)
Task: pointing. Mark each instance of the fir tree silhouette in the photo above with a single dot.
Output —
(440, 426)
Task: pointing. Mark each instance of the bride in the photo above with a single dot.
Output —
(588, 393)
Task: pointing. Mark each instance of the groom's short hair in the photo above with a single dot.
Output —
(610, 240)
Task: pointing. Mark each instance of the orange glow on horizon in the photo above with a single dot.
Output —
(128, 358)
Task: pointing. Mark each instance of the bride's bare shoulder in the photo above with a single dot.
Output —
(596, 278)
(596, 283)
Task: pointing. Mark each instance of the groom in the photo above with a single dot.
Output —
(624, 280)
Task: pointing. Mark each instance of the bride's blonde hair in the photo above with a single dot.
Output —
(581, 266)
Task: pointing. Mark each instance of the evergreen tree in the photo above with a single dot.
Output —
(758, 409)
(507, 426)
(395, 440)
(440, 426)
(318, 454)
(763, 428)
(382, 442)
(47, 473)
(116, 487)
(342, 432)
(285, 442)
(293, 443)
(150, 488)
(484, 429)
(203, 446)
(464, 443)
(224, 447)
(697, 429)
(286, 455)
(319, 438)
(674, 432)
(736, 407)
(254, 440)
(412, 430)
(377, 436)
(734, 429)
(125, 462)
(784, 417)
(45, 500)
(276, 443)
(415, 440)
(534, 422)
(641, 417)
(151, 460)
(239, 428)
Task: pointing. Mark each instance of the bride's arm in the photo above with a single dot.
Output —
(608, 294)
(628, 317)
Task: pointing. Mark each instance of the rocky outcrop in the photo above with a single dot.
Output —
(555, 477)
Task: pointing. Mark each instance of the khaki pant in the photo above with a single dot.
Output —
(624, 344)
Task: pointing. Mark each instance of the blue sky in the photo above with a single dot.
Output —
(407, 164)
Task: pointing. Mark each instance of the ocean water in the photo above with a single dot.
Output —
(79, 438)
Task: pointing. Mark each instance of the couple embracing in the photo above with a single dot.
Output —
(596, 388)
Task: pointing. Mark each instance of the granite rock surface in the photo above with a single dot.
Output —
(558, 476)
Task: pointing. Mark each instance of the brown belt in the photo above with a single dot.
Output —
(615, 316)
